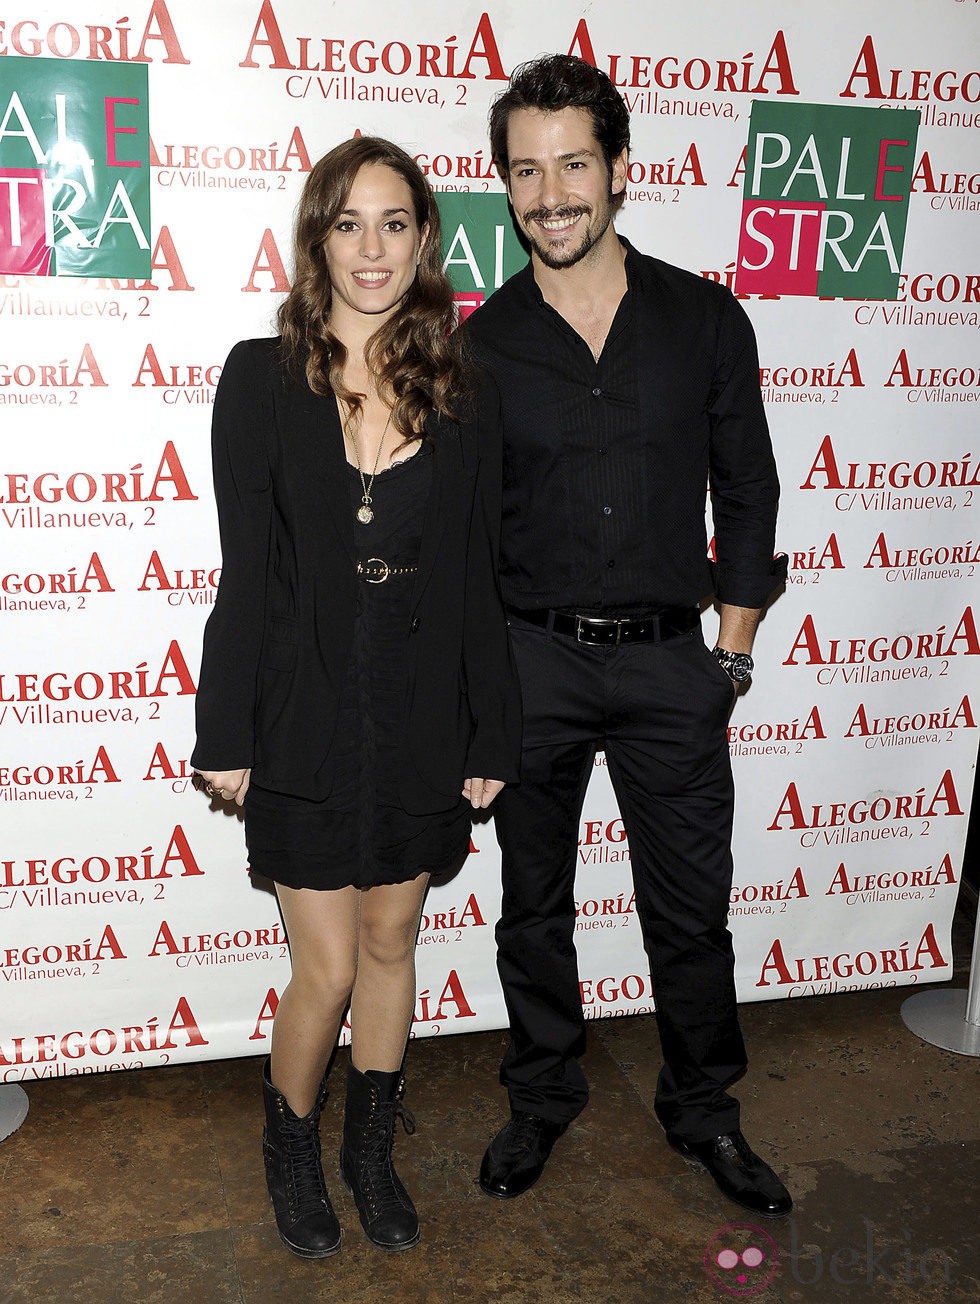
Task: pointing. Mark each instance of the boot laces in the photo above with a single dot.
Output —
(378, 1178)
(306, 1186)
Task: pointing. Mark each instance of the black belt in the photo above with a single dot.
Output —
(608, 631)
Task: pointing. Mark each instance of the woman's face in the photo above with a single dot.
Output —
(372, 250)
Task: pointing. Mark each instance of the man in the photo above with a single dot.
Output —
(627, 385)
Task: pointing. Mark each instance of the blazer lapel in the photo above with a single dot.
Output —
(325, 492)
(447, 462)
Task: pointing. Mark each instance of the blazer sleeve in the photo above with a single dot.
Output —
(491, 677)
(243, 417)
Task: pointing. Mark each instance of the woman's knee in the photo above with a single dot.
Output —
(387, 942)
(328, 980)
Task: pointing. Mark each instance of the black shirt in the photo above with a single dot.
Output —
(607, 463)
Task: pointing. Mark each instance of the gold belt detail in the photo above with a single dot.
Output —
(376, 571)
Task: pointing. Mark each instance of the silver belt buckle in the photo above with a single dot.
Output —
(582, 621)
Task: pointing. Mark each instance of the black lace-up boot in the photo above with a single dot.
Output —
(383, 1205)
(291, 1147)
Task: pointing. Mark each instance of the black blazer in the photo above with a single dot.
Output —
(277, 642)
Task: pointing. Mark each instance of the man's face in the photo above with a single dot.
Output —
(559, 184)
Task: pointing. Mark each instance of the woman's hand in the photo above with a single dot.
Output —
(229, 785)
(481, 792)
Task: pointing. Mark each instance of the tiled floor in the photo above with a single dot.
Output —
(145, 1187)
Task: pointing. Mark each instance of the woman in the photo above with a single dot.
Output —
(357, 695)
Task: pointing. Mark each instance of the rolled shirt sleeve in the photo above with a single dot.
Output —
(744, 485)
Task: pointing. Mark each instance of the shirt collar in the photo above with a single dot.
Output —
(529, 286)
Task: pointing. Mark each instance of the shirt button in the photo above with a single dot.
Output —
(610, 564)
(596, 393)
(607, 511)
(602, 452)
(415, 625)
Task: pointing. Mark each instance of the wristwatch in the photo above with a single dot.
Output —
(738, 666)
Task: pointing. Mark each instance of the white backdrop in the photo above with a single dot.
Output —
(130, 933)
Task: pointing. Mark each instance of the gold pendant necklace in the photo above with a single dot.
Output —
(365, 513)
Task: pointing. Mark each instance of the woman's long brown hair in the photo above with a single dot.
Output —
(415, 356)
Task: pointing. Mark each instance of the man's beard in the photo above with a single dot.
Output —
(567, 257)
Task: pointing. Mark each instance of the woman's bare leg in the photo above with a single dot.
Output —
(323, 941)
(383, 1000)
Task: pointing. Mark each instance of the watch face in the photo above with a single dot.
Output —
(741, 667)
(738, 666)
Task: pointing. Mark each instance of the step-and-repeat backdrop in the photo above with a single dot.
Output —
(130, 931)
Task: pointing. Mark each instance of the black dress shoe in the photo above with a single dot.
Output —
(516, 1157)
(739, 1173)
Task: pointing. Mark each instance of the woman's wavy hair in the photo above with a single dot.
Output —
(416, 357)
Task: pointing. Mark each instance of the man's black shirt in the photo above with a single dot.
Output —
(606, 462)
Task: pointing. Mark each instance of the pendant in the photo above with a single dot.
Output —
(365, 515)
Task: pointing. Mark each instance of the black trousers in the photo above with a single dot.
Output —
(660, 711)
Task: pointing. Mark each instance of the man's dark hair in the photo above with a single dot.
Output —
(561, 81)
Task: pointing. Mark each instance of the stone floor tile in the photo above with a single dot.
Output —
(196, 1268)
(825, 1072)
(110, 1157)
(233, 1095)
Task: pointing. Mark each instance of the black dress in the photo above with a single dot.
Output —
(360, 835)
